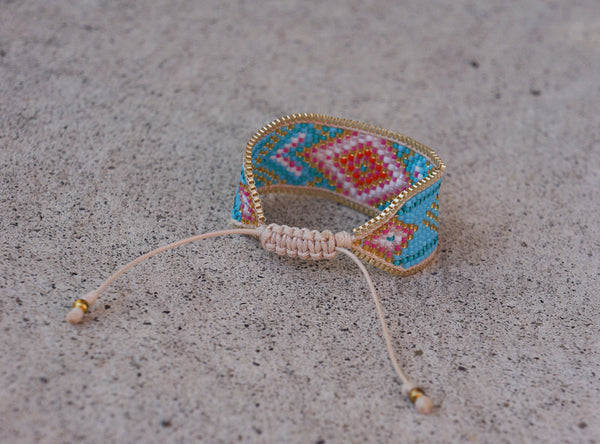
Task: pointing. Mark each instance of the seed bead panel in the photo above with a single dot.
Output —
(359, 166)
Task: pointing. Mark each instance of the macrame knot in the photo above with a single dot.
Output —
(302, 242)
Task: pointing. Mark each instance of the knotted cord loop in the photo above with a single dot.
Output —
(302, 242)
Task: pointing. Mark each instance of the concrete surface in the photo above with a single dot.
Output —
(121, 128)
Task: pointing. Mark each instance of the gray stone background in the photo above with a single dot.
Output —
(122, 126)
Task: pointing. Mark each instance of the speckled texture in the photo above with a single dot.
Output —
(121, 128)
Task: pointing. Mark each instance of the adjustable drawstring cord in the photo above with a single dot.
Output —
(286, 241)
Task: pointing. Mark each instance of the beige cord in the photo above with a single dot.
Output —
(286, 241)
(81, 305)
(422, 402)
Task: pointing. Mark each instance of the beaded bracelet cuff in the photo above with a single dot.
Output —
(386, 175)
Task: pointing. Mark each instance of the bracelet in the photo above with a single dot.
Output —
(388, 176)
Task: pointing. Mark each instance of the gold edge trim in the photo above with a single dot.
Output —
(350, 125)
(238, 224)
(377, 262)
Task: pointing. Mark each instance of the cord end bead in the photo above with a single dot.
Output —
(80, 306)
(421, 401)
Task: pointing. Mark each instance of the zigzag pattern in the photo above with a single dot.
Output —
(410, 235)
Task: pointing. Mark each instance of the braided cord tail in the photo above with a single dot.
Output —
(81, 306)
(416, 395)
